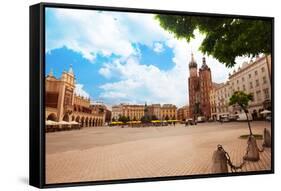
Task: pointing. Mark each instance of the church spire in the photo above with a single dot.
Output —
(70, 69)
(192, 63)
(51, 74)
(204, 65)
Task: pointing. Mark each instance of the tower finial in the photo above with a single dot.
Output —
(70, 69)
(192, 63)
(51, 72)
(204, 60)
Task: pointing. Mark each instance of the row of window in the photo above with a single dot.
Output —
(257, 96)
(250, 75)
(264, 79)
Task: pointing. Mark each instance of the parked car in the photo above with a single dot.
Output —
(224, 119)
(233, 117)
(190, 121)
(201, 119)
(243, 117)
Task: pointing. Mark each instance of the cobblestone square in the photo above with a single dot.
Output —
(103, 153)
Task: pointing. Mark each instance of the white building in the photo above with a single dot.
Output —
(253, 77)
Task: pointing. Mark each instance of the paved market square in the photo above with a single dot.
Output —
(108, 153)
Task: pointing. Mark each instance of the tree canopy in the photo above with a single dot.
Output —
(225, 38)
(241, 98)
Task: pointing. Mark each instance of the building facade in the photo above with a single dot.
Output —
(183, 113)
(199, 86)
(155, 110)
(168, 111)
(62, 104)
(253, 77)
(219, 99)
(136, 112)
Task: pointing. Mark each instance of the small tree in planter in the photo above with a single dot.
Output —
(242, 99)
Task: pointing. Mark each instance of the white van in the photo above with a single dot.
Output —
(201, 119)
(243, 117)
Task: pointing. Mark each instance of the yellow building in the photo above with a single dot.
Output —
(168, 111)
(136, 112)
(219, 98)
(62, 104)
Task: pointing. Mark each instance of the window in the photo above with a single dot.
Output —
(243, 79)
(264, 80)
(244, 88)
(262, 69)
(258, 95)
(250, 75)
(253, 96)
(237, 81)
(256, 72)
(257, 83)
(251, 85)
(266, 93)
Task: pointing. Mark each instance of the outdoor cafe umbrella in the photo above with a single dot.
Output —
(265, 112)
(74, 123)
(50, 122)
(64, 123)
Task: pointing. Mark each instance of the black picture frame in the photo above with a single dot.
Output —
(37, 95)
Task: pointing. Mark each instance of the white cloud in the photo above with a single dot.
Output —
(158, 47)
(142, 83)
(80, 91)
(106, 33)
(92, 32)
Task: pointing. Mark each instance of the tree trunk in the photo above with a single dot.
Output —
(249, 125)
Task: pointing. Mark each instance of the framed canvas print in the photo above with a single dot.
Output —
(126, 95)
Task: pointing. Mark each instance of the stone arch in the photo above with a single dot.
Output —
(73, 118)
(77, 119)
(83, 121)
(93, 122)
(66, 117)
(52, 117)
(90, 122)
(87, 121)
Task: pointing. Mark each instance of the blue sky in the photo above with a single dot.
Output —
(122, 57)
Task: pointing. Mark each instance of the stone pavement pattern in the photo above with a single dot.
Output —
(120, 153)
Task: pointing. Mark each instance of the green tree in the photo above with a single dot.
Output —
(225, 38)
(124, 119)
(242, 99)
(154, 117)
(145, 119)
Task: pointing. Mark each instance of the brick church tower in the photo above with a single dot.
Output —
(199, 87)
(205, 79)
